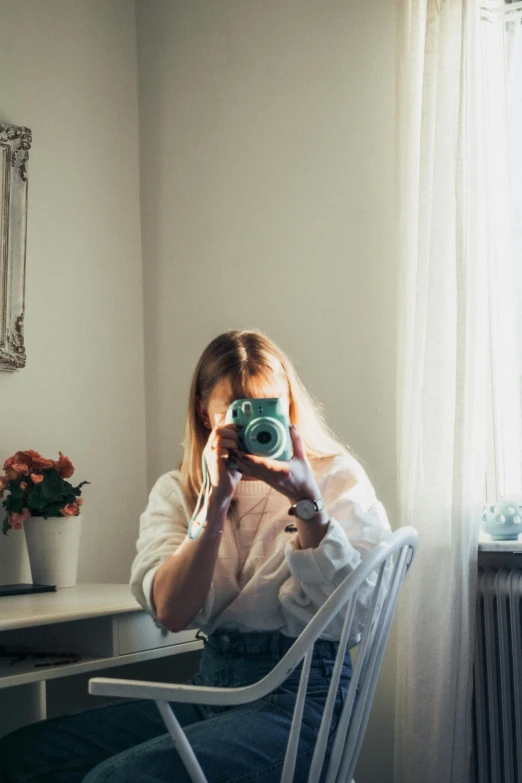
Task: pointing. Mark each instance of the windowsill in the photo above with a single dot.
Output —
(486, 544)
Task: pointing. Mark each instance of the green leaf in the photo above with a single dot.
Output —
(16, 489)
(15, 505)
(52, 511)
(36, 502)
(77, 490)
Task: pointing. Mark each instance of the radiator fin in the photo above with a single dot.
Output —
(497, 703)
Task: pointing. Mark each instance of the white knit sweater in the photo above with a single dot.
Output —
(263, 581)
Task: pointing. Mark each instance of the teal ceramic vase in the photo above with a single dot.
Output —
(502, 519)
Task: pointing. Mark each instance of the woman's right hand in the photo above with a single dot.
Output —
(222, 444)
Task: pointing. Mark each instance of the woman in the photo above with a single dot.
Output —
(270, 544)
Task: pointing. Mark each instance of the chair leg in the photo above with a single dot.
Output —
(181, 743)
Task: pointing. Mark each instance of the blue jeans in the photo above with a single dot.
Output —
(127, 741)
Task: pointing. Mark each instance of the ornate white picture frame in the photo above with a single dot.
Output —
(15, 143)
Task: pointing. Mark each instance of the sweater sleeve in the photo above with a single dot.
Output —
(358, 522)
(163, 527)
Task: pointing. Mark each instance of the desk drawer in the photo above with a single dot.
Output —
(136, 631)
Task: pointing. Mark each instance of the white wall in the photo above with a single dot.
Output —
(266, 144)
(68, 72)
(267, 137)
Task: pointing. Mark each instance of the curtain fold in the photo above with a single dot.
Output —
(457, 381)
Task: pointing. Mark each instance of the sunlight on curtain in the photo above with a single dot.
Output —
(515, 162)
(458, 363)
(497, 48)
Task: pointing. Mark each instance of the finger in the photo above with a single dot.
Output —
(244, 465)
(251, 458)
(226, 443)
(264, 462)
(265, 470)
(297, 443)
(221, 435)
(229, 428)
(228, 431)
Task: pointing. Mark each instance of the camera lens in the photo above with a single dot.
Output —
(264, 436)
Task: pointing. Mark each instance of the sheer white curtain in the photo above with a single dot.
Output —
(457, 370)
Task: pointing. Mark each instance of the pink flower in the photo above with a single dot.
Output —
(32, 459)
(20, 468)
(17, 520)
(27, 457)
(64, 466)
(36, 478)
(71, 509)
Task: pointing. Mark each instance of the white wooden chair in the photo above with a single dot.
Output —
(391, 561)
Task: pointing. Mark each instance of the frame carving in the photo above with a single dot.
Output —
(15, 143)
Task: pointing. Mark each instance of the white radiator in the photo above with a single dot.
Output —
(497, 703)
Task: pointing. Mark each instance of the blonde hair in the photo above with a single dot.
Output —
(248, 360)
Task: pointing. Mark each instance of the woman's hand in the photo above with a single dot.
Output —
(293, 479)
(222, 443)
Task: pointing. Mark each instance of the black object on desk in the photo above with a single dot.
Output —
(21, 654)
(23, 588)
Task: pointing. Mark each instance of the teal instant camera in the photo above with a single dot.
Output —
(266, 427)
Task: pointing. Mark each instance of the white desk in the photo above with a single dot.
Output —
(102, 622)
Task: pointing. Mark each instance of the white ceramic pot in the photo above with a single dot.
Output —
(502, 519)
(53, 546)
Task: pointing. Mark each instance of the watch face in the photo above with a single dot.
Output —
(305, 509)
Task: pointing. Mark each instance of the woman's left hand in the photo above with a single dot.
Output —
(294, 479)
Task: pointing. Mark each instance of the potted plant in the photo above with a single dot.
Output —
(38, 498)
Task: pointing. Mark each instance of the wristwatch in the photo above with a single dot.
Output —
(306, 509)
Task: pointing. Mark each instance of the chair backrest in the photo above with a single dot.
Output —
(389, 563)
(379, 575)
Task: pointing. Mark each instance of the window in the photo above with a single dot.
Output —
(502, 42)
